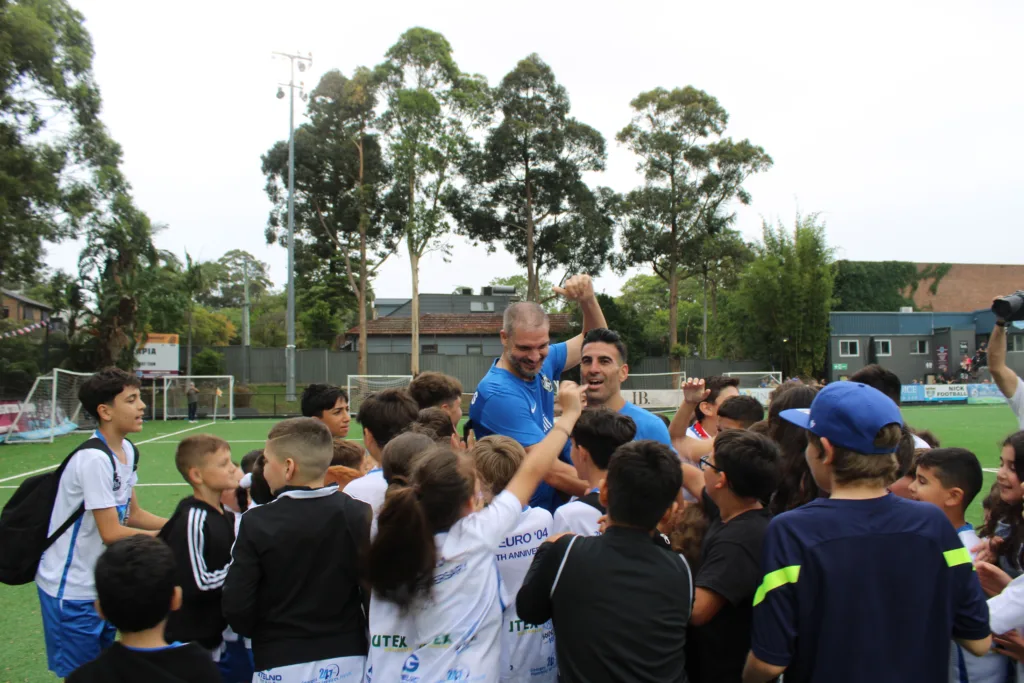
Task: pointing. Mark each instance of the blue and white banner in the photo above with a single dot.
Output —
(951, 393)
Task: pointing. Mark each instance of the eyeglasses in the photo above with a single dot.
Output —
(706, 462)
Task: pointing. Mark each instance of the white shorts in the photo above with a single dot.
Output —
(337, 670)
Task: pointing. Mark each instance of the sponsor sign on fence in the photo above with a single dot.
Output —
(951, 393)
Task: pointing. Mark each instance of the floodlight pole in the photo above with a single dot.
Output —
(289, 350)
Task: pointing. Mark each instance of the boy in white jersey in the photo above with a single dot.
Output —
(436, 607)
(950, 478)
(527, 650)
(383, 416)
(104, 484)
(595, 437)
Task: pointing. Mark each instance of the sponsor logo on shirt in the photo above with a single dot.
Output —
(457, 674)
(547, 384)
(389, 642)
(533, 407)
(327, 674)
(520, 626)
(473, 400)
(528, 537)
(451, 573)
(411, 664)
(117, 480)
(264, 676)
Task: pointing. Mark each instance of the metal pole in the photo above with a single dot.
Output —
(245, 325)
(289, 353)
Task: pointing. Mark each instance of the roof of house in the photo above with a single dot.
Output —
(450, 323)
(25, 300)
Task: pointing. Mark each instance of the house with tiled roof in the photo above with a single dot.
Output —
(457, 324)
(18, 308)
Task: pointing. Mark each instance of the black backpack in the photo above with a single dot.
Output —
(25, 520)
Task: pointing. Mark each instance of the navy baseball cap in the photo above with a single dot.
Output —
(848, 414)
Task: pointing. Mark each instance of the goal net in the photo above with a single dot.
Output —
(216, 397)
(50, 409)
(361, 386)
(658, 391)
(753, 380)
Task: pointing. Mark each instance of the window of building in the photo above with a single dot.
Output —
(474, 350)
(1016, 342)
(6, 313)
(849, 348)
(481, 306)
(883, 347)
(30, 314)
(919, 347)
(428, 348)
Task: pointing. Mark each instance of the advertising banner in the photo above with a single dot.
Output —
(984, 393)
(158, 356)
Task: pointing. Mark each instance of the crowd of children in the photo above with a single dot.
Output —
(754, 547)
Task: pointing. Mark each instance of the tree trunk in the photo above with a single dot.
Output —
(704, 333)
(363, 220)
(532, 281)
(414, 262)
(673, 314)
(188, 352)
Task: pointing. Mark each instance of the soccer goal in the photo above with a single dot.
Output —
(752, 380)
(361, 386)
(50, 409)
(216, 398)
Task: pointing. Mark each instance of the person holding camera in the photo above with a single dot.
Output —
(1007, 309)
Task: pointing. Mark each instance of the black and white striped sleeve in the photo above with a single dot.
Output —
(204, 577)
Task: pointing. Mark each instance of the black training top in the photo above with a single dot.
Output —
(177, 663)
(620, 603)
(293, 586)
(730, 566)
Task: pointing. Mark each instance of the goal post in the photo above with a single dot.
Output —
(361, 386)
(753, 380)
(50, 409)
(216, 397)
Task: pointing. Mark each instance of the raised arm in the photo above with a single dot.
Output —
(693, 393)
(580, 288)
(541, 457)
(1005, 378)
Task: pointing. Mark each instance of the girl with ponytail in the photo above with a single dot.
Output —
(437, 601)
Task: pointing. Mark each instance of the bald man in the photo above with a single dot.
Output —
(516, 398)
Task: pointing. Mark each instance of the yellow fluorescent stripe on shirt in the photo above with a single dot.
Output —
(958, 556)
(777, 578)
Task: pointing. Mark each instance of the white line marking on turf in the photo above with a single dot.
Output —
(179, 483)
(53, 467)
(990, 469)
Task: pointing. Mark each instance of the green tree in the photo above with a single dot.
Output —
(431, 106)
(193, 283)
(691, 174)
(57, 162)
(320, 326)
(780, 310)
(268, 321)
(526, 188)
(116, 269)
(209, 362)
(224, 280)
(340, 181)
(646, 300)
(211, 328)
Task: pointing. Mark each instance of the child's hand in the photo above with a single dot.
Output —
(572, 398)
(1010, 644)
(987, 550)
(694, 392)
(602, 523)
(993, 579)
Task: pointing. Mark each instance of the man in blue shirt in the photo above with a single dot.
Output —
(603, 369)
(861, 586)
(516, 398)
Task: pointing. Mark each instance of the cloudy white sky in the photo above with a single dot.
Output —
(899, 120)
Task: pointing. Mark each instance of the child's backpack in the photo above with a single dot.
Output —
(25, 520)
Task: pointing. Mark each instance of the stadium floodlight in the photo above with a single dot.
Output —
(280, 93)
(289, 349)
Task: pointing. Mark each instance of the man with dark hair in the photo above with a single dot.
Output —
(136, 592)
(100, 477)
(516, 398)
(603, 369)
(383, 415)
(741, 472)
(739, 412)
(595, 437)
(329, 404)
(636, 631)
(437, 390)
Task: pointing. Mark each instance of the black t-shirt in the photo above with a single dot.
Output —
(730, 566)
(176, 663)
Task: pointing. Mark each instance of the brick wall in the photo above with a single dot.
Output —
(968, 287)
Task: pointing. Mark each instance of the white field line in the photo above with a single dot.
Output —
(240, 441)
(989, 469)
(53, 467)
(180, 483)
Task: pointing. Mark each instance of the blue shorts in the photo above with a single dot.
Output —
(75, 634)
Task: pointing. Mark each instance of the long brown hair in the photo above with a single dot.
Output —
(796, 483)
(1009, 513)
(403, 555)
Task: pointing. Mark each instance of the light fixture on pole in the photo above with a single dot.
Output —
(289, 352)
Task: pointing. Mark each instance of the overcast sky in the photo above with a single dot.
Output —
(899, 121)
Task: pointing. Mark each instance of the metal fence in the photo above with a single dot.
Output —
(266, 366)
